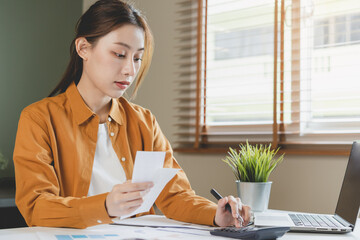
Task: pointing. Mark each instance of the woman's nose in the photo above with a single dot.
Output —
(129, 68)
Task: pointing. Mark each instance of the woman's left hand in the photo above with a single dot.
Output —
(224, 218)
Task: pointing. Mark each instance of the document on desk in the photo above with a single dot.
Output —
(117, 232)
(160, 221)
(149, 166)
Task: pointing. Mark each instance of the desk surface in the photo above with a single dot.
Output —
(125, 232)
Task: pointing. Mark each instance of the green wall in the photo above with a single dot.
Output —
(35, 37)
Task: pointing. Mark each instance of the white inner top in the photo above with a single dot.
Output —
(107, 170)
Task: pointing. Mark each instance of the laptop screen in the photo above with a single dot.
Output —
(349, 198)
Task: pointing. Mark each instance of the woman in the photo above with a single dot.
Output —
(75, 151)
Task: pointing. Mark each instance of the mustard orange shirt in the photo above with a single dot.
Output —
(54, 154)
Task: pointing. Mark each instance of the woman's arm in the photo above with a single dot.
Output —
(177, 200)
(38, 191)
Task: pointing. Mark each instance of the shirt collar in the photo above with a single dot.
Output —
(82, 112)
(115, 111)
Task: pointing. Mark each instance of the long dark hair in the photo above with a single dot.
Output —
(100, 19)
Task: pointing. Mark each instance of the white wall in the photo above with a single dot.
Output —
(303, 183)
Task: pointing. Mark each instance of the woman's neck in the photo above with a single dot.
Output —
(95, 100)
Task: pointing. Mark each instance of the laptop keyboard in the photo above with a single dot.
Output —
(312, 220)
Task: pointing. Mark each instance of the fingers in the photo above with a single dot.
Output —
(240, 212)
(125, 198)
(236, 207)
(246, 214)
(130, 196)
(222, 204)
(132, 187)
(131, 191)
(234, 204)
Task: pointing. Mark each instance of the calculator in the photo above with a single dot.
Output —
(251, 233)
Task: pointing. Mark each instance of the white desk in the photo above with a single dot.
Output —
(126, 232)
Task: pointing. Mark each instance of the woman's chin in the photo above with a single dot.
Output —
(117, 94)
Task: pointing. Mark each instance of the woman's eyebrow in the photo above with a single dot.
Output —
(127, 46)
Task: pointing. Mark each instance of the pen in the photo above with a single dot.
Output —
(227, 206)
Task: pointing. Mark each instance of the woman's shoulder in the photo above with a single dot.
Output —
(45, 106)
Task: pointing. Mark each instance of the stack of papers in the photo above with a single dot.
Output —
(159, 221)
(151, 227)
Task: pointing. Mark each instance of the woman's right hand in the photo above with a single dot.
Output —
(125, 198)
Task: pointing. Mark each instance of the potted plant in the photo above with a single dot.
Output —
(252, 166)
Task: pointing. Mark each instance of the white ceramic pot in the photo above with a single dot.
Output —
(254, 194)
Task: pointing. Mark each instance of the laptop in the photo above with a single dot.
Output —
(346, 213)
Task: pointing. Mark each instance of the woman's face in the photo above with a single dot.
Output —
(114, 61)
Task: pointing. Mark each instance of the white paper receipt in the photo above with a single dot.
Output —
(148, 167)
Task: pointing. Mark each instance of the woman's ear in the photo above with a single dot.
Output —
(82, 47)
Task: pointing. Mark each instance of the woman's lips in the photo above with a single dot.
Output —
(122, 85)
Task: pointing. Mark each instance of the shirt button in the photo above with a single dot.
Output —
(123, 159)
(112, 134)
(109, 119)
(99, 221)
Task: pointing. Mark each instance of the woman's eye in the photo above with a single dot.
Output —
(119, 55)
(138, 59)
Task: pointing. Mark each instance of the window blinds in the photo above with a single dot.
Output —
(319, 77)
(243, 77)
(190, 55)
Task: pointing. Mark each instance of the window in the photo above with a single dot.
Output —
(345, 28)
(321, 33)
(355, 28)
(283, 73)
(244, 43)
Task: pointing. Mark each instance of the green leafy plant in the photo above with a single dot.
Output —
(253, 163)
(3, 162)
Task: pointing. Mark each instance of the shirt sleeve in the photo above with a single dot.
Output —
(177, 200)
(38, 194)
